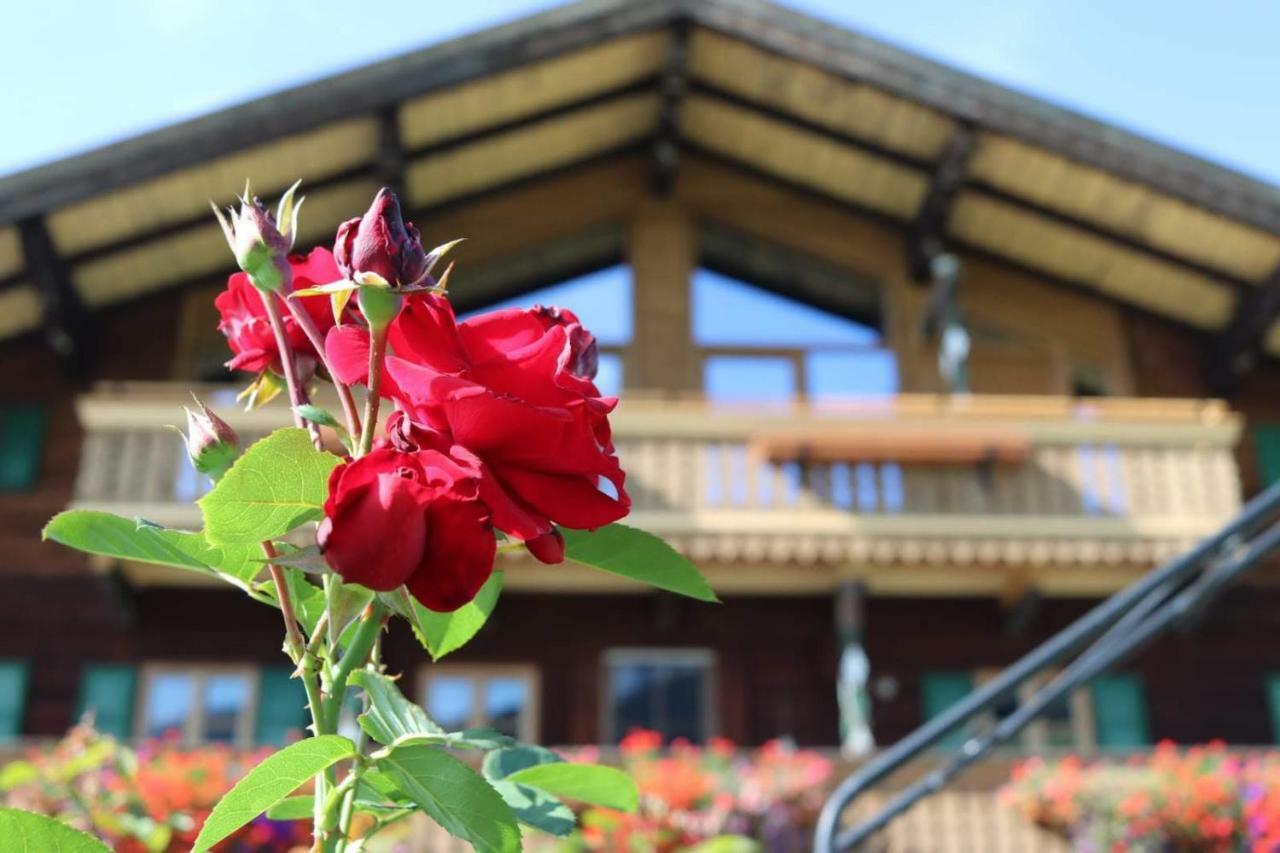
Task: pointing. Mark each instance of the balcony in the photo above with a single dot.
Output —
(912, 494)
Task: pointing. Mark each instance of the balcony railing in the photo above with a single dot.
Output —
(909, 480)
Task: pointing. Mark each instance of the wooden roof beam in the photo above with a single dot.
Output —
(390, 158)
(66, 322)
(1240, 345)
(925, 238)
(673, 84)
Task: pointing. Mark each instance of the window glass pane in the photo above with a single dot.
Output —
(728, 312)
(609, 374)
(835, 375)
(742, 379)
(602, 301)
(170, 701)
(505, 700)
(226, 700)
(633, 687)
(683, 700)
(669, 697)
(449, 701)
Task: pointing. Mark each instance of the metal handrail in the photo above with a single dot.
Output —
(1112, 630)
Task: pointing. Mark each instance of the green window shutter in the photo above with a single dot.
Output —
(108, 689)
(282, 706)
(21, 443)
(1120, 711)
(938, 692)
(1273, 704)
(1266, 440)
(14, 678)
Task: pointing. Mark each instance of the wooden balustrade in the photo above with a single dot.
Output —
(1106, 481)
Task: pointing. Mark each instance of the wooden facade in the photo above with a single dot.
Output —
(1018, 508)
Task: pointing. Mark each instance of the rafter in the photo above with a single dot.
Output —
(925, 238)
(390, 159)
(1238, 348)
(672, 84)
(65, 319)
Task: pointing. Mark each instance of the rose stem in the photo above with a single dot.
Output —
(297, 394)
(309, 329)
(377, 349)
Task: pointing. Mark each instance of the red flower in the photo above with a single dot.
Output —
(244, 320)
(512, 391)
(397, 518)
(381, 242)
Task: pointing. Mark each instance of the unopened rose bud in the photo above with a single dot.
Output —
(212, 445)
(547, 548)
(260, 245)
(381, 244)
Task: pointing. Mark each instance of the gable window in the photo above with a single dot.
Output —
(667, 690)
(198, 704)
(505, 698)
(760, 347)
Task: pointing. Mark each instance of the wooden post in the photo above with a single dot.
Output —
(663, 250)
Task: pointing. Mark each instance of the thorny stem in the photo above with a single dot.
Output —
(297, 645)
(309, 328)
(297, 394)
(377, 350)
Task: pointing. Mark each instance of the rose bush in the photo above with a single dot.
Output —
(497, 440)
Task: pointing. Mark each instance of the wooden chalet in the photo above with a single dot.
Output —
(1121, 300)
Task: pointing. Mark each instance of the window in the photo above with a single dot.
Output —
(21, 444)
(1069, 723)
(761, 347)
(107, 691)
(498, 697)
(198, 703)
(668, 690)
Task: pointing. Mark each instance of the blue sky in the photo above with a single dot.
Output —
(1202, 78)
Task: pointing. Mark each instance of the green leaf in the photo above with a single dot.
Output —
(536, 808)
(504, 762)
(28, 831)
(293, 808)
(140, 541)
(17, 773)
(590, 783)
(637, 555)
(454, 796)
(317, 415)
(390, 716)
(279, 483)
(275, 778)
(727, 844)
(442, 633)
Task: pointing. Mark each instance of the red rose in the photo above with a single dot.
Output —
(244, 320)
(507, 391)
(397, 518)
(381, 242)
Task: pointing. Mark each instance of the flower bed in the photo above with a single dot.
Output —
(1205, 798)
(717, 795)
(150, 800)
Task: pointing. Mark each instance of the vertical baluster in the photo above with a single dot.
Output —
(131, 466)
(91, 479)
(162, 467)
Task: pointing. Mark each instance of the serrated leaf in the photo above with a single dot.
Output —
(390, 716)
(635, 554)
(308, 559)
(501, 763)
(442, 633)
(454, 796)
(277, 484)
(28, 831)
(536, 808)
(278, 776)
(141, 541)
(589, 783)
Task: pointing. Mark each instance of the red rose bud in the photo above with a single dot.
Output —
(547, 548)
(415, 519)
(381, 243)
(212, 445)
(261, 247)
